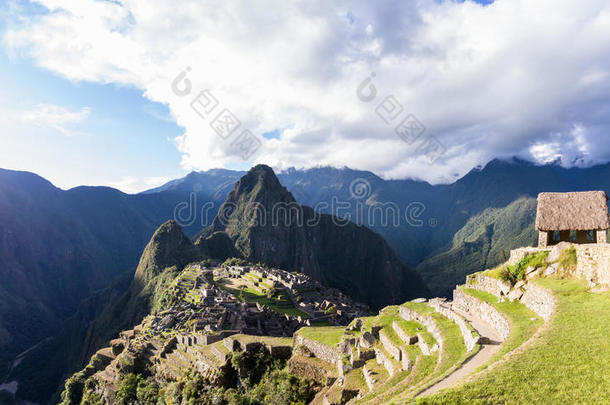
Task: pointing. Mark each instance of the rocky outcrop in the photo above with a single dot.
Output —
(479, 309)
(488, 284)
(169, 246)
(267, 225)
(516, 255)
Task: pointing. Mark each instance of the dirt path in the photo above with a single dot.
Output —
(483, 356)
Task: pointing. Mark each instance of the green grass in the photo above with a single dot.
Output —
(385, 319)
(428, 370)
(354, 380)
(321, 323)
(411, 328)
(567, 261)
(252, 295)
(328, 335)
(420, 307)
(367, 323)
(568, 364)
(523, 322)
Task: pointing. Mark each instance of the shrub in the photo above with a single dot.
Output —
(234, 261)
(148, 392)
(127, 392)
(73, 391)
(279, 387)
(513, 274)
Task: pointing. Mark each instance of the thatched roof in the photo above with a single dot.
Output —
(581, 211)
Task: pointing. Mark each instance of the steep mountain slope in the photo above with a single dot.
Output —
(268, 225)
(58, 247)
(480, 243)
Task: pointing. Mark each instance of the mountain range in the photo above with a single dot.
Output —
(60, 250)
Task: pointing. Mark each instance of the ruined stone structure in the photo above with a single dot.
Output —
(579, 217)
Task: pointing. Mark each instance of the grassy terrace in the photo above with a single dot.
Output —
(269, 340)
(385, 319)
(411, 328)
(354, 380)
(420, 307)
(454, 350)
(329, 335)
(523, 322)
(427, 369)
(367, 323)
(252, 295)
(402, 381)
(567, 364)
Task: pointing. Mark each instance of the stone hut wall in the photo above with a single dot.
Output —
(593, 263)
(482, 310)
(539, 300)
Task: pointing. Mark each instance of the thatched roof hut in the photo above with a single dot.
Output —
(577, 211)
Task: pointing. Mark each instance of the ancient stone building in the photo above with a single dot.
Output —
(578, 217)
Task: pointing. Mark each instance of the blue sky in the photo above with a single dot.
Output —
(125, 141)
(86, 92)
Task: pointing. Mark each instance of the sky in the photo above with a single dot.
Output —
(133, 93)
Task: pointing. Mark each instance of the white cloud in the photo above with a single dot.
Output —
(486, 81)
(55, 117)
(132, 185)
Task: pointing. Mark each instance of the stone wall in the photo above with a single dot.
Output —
(302, 367)
(539, 300)
(370, 381)
(482, 310)
(593, 263)
(423, 346)
(385, 361)
(426, 320)
(487, 284)
(471, 338)
(319, 350)
(405, 337)
(389, 346)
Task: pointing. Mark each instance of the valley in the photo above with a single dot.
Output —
(475, 228)
(424, 351)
